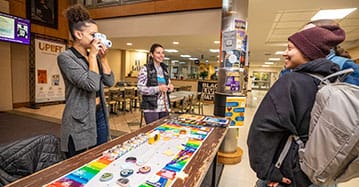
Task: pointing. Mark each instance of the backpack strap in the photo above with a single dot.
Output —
(325, 80)
(286, 148)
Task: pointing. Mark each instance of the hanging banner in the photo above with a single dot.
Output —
(48, 80)
(235, 107)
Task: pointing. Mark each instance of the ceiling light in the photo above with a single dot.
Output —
(166, 58)
(174, 61)
(171, 50)
(129, 44)
(265, 65)
(214, 50)
(193, 58)
(269, 63)
(332, 13)
(273, 59)
(216, 42)
(185, 56)
(279, 52)
(175, 43)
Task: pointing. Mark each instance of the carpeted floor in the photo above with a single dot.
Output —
(14, 127)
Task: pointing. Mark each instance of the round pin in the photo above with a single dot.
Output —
(123, 182)
(126, 172)
(131, 159)
(106, 177)
(144, 169)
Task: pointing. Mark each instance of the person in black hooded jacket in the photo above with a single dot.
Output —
(286, 108)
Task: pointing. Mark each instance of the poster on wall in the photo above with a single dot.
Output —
(235, 108)
(49, 83)
(207, 89)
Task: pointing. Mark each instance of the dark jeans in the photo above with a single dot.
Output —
(102, 134)
(153, 116)
(102, 126)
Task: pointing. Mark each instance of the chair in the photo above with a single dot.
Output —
(110, 103)
(130, 97)
(199, 103)
(141, 116)
(182, 107)
(117, 96)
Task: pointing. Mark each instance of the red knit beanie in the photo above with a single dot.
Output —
(316, 42)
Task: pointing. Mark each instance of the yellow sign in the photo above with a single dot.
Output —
(235, 108)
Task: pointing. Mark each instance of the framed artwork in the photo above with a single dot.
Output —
(42, 12)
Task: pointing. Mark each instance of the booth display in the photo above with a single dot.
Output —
(166, 153)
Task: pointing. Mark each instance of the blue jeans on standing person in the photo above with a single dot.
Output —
(263, 183)
(102, 126)
(153, 116)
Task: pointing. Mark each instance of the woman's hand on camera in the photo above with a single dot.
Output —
(102, 49)
(95, 43)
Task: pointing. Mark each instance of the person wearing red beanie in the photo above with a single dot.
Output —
(286, 108)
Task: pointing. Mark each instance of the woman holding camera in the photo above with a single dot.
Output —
(85, 71)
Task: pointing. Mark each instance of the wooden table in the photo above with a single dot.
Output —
(180, 95)
(196, 168)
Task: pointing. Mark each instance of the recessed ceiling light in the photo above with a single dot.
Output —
(273, 59)
(174, 61)
(171, 50)
(129, 44)
(185, 56)
(166, 58)
(216, 42)
(175, 43)
(269, 63)
(332, 13)
(279, 52)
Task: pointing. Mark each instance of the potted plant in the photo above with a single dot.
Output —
(203, 74)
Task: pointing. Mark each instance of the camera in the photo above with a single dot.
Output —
(103, 39)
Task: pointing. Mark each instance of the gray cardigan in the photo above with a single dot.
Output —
(79, 117)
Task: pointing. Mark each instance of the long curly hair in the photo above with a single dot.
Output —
(77, 17)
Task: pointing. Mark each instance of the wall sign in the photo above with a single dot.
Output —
(48, 80)
(208, 89)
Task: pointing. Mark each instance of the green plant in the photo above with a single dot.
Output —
(203, 74)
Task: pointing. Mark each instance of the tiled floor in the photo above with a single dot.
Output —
(238, 175)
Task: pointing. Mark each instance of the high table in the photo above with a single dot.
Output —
(195, 170)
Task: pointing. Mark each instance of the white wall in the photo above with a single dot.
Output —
(114, 59)
(20, 73)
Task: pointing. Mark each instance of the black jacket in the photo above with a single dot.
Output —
(150, 101)
(24, 157)
(285, 110)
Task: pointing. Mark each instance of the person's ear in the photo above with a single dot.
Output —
(78, 35)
